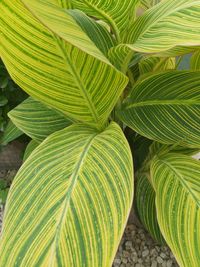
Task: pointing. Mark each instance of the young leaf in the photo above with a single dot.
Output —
(52, 70)
(70, 201)
(37, 120)
(166, 107)
(168, 24)
(176, 181)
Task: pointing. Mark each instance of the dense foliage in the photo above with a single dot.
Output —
(107, 101)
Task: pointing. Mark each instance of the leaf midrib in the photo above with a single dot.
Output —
(171, 102)
(70, 189)
(181, 181)
(79, 83)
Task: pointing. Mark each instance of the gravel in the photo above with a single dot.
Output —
(137, 249)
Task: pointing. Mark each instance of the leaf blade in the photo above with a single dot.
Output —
(177, 204)
(96, 171)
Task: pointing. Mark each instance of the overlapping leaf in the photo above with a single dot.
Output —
(145, 201)
(30, 148)
(176, 181)
(54, 71)
(11, 133)
(154, 64)
(70, 201)
(195, 60)
(117, 13)
(166, 107)
(37, 120)
(168, 24)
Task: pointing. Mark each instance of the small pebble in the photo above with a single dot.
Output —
(159, 259)
(145, 253)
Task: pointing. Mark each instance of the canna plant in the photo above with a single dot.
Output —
(106, 93)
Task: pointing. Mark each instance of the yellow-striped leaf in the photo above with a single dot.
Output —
(166, 25)
(146, 4)
(195, 60)
(119, 14)
(155, 64)
(37, 120)
(145, 201)
(166, 107)
(52, 70)
(176, 180)
(70, 201)
(97, 33)
(60, 22)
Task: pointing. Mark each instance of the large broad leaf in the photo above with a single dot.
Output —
(167, 24)
(69, 203)
(145, 201)
(176, 180)
(166, 107)
(37, 120)
(52, 70)
(119, 14)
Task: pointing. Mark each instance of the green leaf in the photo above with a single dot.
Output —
(97, 33)
(3, 184)
(146, 4)
(70, 200)
(117, 13)
(11, 133)
(155, 64)
(30, 148)
(176, 181)
(195, 61)
(3, 195)
(52, 70)
(168, 24)
(3, 100)
(145, 202)
(37, 120)
(61, 23)
(166, 107)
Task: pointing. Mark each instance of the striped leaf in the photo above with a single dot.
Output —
(97, 33)
(119, 14)
(37, 120)
(168, 24)
(145, 202)
(146, 4)
(52, 70)
(176, 181)
(60, 22)
(30, 148)
(70, 201)
(155, 64)
(195, 61)
(11, 133)
(166, 107)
